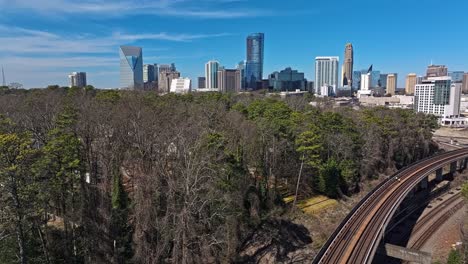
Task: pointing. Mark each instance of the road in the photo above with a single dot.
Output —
(358, 236)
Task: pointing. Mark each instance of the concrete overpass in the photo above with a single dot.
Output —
(357, 238)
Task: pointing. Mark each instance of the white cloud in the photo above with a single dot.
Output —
(25, 41)
(169, 37)
(214, 9)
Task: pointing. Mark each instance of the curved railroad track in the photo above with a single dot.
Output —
(358, 236)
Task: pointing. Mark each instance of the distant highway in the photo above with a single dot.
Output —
(358, 236)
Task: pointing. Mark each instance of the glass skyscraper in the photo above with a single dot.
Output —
(131, 67)
(149, 73)
(457, 76)
(254, 64)
(211, 74)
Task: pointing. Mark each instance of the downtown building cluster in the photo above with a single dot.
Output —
(439, 92)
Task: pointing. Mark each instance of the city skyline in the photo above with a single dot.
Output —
(48, 42)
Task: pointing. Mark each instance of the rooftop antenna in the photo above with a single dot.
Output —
(3, 76)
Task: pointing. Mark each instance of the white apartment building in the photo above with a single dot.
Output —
(440, 97)
(181, 86)
(326, 72)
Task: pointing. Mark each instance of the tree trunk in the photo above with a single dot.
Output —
(18, 222)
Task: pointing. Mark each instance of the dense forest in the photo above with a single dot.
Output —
(104, 176)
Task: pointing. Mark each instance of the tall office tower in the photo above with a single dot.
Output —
(436, 71)
(148, 73)
(166, 74)
(164, 68)
(131, 67)
(375, 79)
(465, 83)
(382, 80)
(347, 77)
(181, 86)
(165, 80)
(356, 80)
(211, 74)
(254, 63)
(366, 80)
(77, 79)
(326, 72)
(227, 80)
(391, 83)
(457, 76)
(411, 81)
(156, 72)
(440, 97)
(201, 82)
(240, 79)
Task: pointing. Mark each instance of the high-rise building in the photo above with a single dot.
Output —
(181, 86)
(357, 80)
(166, 68)
(156, 72)
(227, 80)
(77, 79)
(411, 81)
(165, 80)
(347, 72)
(211, 74)
(167, 72)
(240, 79)
(457, 76)
(465, 83)
(366, 80)
(131, 67)
(391, 83)
(326, 72)
(436, 71)
(254, 62)
(148, 73)
(311, 87)
(201, 82)
(375, 79)
(287, 80)
(383, 80)
(440, 97)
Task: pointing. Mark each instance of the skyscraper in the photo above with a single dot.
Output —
(211, 74)
(166, 74)
(148, 73)
(383, 80)
(77, 79)
(131, 67)
(326, 72)
(201, 82)
(240, 78)
(357, 80)
(227, 80)
(457, 76)
(411, 81)
(165, 80)
(465, 83)
(391, 83)
(254, 63)
(436, 71)
(347, 76)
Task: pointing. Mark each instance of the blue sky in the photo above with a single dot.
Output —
(41, 41)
